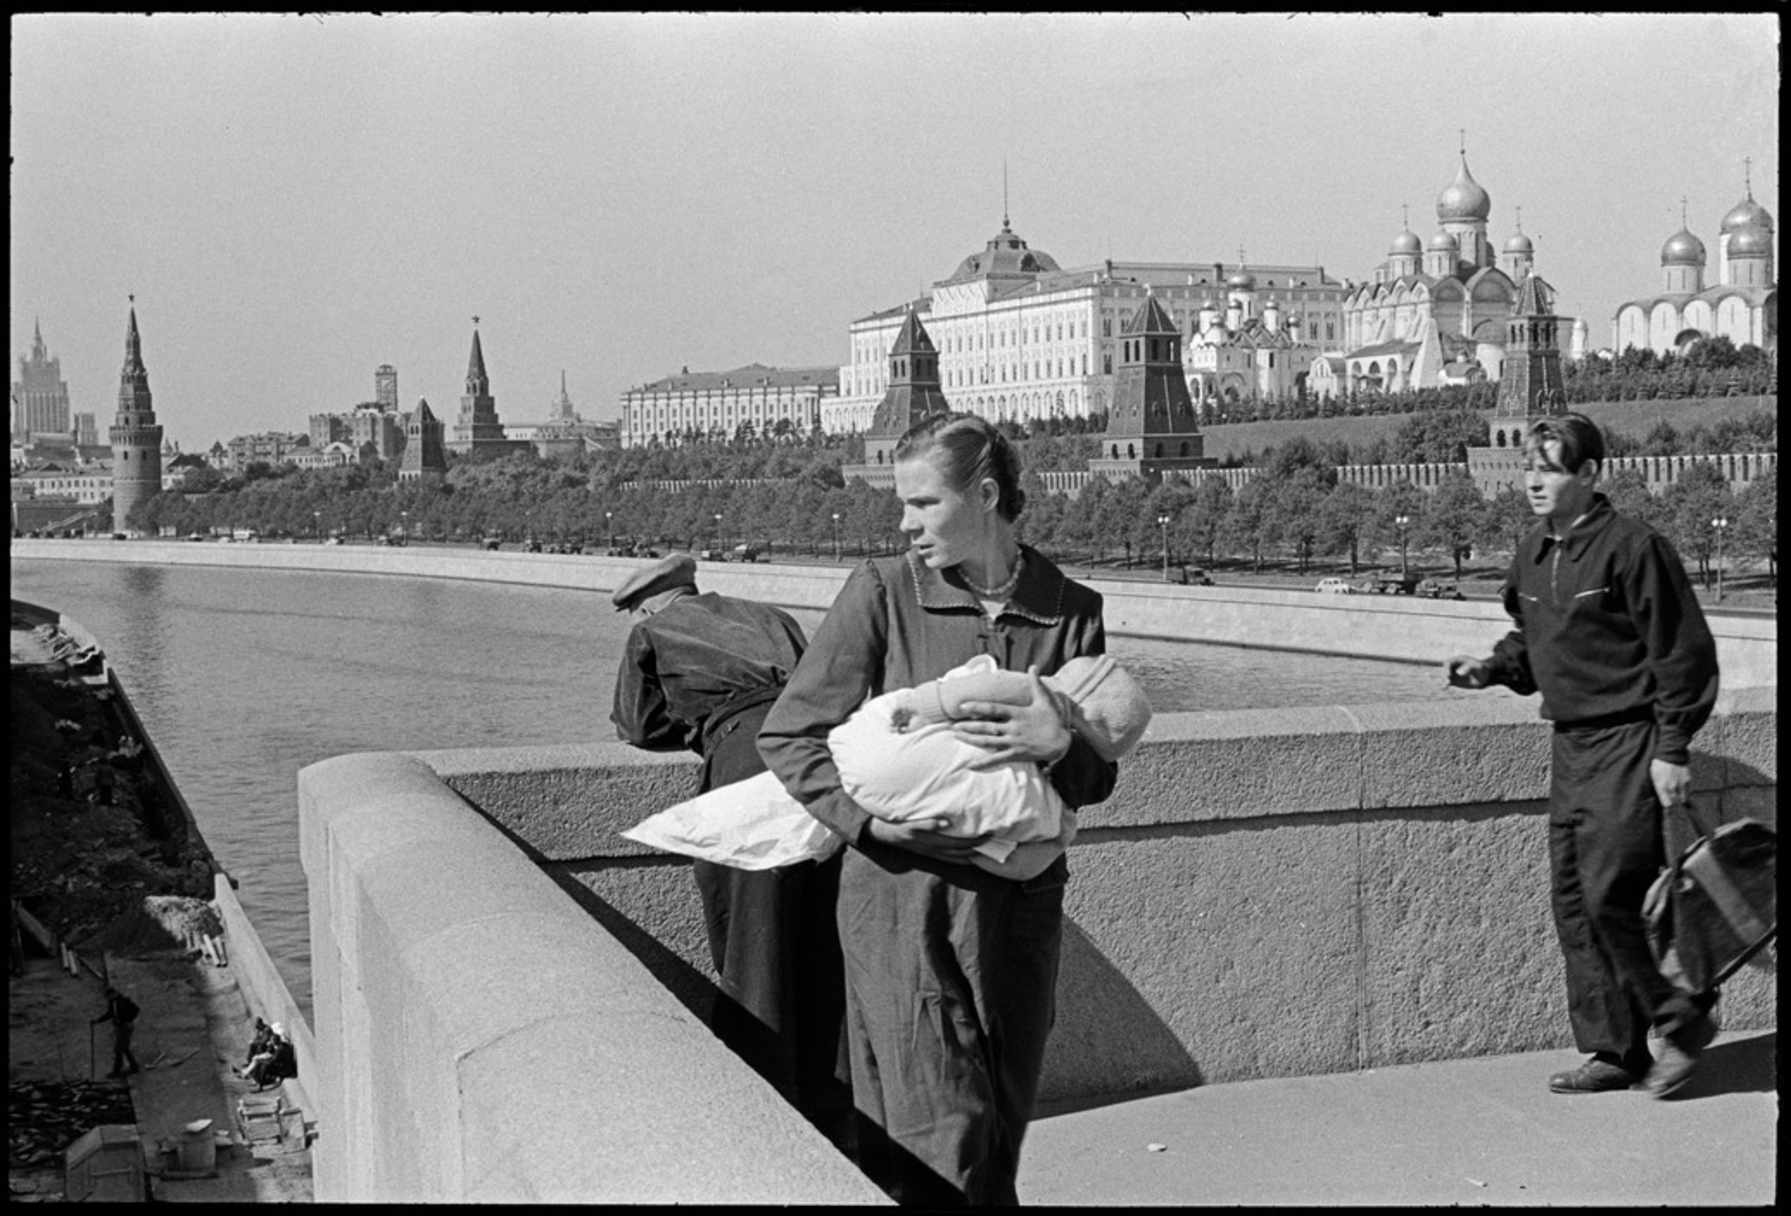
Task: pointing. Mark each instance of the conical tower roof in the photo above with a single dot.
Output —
(475, 363)
(1151, 318)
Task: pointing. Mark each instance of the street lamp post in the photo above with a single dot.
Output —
(836, 538)
(609, 518)
(1400, 522)
(404, 527)
(721, 540)
(1163, 526)
(317, 526)
(1721, 524)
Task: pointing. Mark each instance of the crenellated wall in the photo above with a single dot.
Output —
(504, 986)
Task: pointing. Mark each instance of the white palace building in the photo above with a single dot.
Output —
(1020, 338)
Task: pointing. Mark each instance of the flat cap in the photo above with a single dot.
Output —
(673, 570)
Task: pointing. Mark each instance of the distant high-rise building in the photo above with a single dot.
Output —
(385, 387)
(136, 436)
(39, 395)
(86, 429)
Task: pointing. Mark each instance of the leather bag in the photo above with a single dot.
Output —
(1715, 905)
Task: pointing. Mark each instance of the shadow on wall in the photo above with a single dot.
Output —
(1111, 1031)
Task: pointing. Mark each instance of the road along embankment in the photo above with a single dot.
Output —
(1373, 626)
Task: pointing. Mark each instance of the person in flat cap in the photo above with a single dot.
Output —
(700, 671)
(672, 572)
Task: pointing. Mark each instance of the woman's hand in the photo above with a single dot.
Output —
(926, 837)
(1038, 731)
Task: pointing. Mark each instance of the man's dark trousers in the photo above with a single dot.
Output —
(1605, 850)
(775, 945)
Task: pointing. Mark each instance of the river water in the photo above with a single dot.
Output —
(242, 677)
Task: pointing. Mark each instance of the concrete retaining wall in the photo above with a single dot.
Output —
(481, 1039)
(1268, 893)
(265, 992)
(1373, 626)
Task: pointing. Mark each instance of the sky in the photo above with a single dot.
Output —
(294, 200)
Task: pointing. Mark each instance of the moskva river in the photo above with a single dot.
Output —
(243, 677)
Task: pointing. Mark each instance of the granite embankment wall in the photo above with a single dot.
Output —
(506, 990)
(1373, 626)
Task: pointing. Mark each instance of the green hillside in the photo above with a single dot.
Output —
(1633, 418)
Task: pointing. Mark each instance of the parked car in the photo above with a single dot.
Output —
(712, 555)
(745, 553)
(1436, 589)
(491, 542)
(1196, 578)
(1335, 586)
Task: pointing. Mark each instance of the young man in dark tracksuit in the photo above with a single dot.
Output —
(700, 671)
(1609, 631)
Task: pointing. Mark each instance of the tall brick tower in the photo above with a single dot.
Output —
(478, 425)
(914, 392)
(423, 459)
(1530, 387)
(1150, 426)
(136, 436)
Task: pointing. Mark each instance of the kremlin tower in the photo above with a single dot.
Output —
(136, 436)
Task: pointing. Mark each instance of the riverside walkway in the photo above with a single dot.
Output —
(1473, 1132)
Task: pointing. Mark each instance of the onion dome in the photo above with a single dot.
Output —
(1463, 198)
(1005, 254)
(1243, 280)
(1750, 241)
(1682, 249)
(1517, 242)
(1443, 242)
(1405, 243)
(1747, 213)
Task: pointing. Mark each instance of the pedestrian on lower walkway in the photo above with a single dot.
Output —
(122, 1012)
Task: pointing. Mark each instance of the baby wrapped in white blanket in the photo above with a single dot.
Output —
(898, 759)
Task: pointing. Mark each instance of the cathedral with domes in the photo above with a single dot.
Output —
(1741, 305)
(1435, 312)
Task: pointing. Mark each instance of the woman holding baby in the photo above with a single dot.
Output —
(950, 971)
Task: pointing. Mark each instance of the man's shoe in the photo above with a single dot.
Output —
(1673, 1067)
(1593, 1077)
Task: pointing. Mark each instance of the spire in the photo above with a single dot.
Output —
(1747, 173)
(1464, 144)
(475, 365)
(38, 353)
(1004, 221)
(1520, 219)
(1683, 221)
(1405, 218)
(133, 345)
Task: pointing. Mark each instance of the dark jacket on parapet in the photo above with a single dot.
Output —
(695, 663)
(1609, 629)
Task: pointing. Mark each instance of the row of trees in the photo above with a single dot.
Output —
(1295, 508)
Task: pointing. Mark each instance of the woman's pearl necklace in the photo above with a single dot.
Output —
(1002, 589)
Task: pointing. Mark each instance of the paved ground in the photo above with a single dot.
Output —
(1473, 1132)
(194, 1026)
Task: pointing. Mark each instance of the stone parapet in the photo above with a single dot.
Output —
(1267, 893)
(482, 1039)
